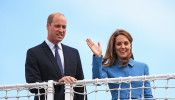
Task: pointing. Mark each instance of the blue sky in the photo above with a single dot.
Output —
(150, 22)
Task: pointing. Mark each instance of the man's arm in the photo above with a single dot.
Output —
(32, 72)
(79, 76)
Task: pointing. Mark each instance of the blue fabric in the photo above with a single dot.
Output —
(132, 69)
(57, 56)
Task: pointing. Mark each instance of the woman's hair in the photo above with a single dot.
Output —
(111, 55)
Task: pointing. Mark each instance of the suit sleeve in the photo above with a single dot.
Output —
(147, 91)
(32, 72)
(79, 71)
(79, 76)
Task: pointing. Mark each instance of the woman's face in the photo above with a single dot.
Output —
(122, 46)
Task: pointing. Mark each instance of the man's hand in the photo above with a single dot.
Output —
(67, 80)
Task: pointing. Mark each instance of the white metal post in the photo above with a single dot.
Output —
(50, 95)
(68, 95)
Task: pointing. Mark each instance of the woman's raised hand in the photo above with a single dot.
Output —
(97, 50)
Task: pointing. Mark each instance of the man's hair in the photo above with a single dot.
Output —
(51, 16)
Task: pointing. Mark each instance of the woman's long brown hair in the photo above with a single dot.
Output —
(111, 57)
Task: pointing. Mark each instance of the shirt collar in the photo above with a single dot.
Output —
(131, 62)
(52, 46)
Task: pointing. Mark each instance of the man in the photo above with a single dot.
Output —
(53, 60)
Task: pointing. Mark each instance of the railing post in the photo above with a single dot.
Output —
(50, 91)
(68, 95)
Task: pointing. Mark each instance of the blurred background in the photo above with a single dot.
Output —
(150, 22)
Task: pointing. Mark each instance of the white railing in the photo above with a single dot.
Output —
(163, 87)
(15, 90)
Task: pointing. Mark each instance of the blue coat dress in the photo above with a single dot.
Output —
(132, 69)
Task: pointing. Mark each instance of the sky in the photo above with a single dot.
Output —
(150, 22)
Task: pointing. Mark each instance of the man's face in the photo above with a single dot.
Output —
(57, 29)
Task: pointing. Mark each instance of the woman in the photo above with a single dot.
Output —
(119, 62)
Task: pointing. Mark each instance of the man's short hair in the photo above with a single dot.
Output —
(51, 16)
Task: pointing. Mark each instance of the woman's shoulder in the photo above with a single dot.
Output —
(138, 63)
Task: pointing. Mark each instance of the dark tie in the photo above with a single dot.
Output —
(57, 56)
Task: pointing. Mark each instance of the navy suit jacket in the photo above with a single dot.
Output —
(41, 66)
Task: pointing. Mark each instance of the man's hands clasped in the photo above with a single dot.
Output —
(67, 80)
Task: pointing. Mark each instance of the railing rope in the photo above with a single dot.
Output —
(22, 89)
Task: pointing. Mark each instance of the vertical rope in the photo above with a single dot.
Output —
(17, 89)
(154, 86)
(84, 89)
(36, 84)
(119, 88)
(71, 92)
(130, 87)
(166, 87)
(143, 87)
(28, 93)
(106, 84)
(45, 89)
(6, 97)
(96, 89)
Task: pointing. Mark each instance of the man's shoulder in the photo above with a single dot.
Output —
(37, 47)
(68, 47)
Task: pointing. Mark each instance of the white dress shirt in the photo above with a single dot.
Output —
(60, 51)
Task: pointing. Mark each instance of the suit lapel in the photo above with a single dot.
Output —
(51, 57)
(66, 60)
